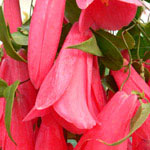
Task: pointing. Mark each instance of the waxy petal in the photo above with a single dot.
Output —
(1, 107)
(61, 87)
(141, 138)
(45, 30)
(75, 98)
(97, 88)
(50, 136)
(12, 70)
(113, 16)
(68, 126)
(136, 83)
(19, 71)
(22, 132)
(12, 14)
(140, 143)
(59, 77)
(114, 124)
(70, 146)
(34, 113)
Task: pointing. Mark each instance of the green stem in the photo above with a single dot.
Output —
(140, 28)
(127, 77)
(138, 48)
(130, 56)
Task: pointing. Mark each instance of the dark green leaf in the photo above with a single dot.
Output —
(118, 40)
(9, 95)
(20, 38)
(3, 86)
(5, 38)
(144, 47)
(89, 46)
(147, 1)
(137, 121)
(146, 28)
(72, 12)
(109, 82)
(112, 57)
(101, 68)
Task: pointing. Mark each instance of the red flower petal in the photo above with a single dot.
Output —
(12, 14)
(50, 136)
(112, 17)
(134, 83)
(45, 30)
(75, 98)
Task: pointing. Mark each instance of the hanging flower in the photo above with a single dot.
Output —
(45, 30)
(72, 86)
(22, 132)
(114, 124)
(12, 14)
(107, 14)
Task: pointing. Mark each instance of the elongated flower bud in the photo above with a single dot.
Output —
(45, 30)
(12, 14)
(108, 14)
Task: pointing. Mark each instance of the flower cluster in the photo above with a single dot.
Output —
(60, 93)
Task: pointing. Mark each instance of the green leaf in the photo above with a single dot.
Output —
(139, 12)
(3, 86)
(136, 122)
(143, 48)
(9, 94)
(102, 68)
(112, 57)
(147, 1)
(20, 38)
(109, 82)
(146, 28)
(89, 46)
(72, 12)
(24, 29)
(118, 40)
(5, 38)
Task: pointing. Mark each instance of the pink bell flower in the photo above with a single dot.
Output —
(12, 14)
(114, 124)
(44, 35)
(106, 14)
(72, 86)
(22, 132)
(135, 83)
